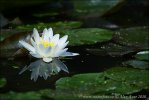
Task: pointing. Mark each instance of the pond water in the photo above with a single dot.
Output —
(114, 52)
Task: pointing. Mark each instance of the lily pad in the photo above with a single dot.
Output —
(129, 75)
(118, 80)
(143, 55)
(135, 36)
(138, 64)
(86, 36)
(57, 26)
(85, 8)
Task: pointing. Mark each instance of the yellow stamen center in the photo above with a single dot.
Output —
(46, 43)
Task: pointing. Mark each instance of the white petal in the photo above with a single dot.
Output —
(51, 52)
(41, 47)
(36, 55)
(63, 39)
(75, 54)
(143, 52)
(44, 51)
(45, 31)
(36, 35)
(69, 54)
(40, 50)
(47, 59)
(33, 43)
(60, 52)
(58, 49)
(50, 32)
(45, 34)
(47, 50)
(27, 46)
(63, 45)
(55, 39)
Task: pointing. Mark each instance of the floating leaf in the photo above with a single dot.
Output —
(57, 26)
(132, 76)
(88, 35)
(3, 82)
(138, 64)
(118, 80)
(135, 36)
(84, 8)
(143, 55)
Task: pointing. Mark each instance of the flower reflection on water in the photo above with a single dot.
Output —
(43, 69)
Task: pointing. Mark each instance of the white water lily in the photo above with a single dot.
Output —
(47, 46)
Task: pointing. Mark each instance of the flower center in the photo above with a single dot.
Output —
(46, 43)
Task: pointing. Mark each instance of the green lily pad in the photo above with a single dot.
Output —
(131, 76)
(118, 80)
(84, 8)
(57, 26)
(96, 85)
(86, 36)
(3, 82)
(143, 55)
(138, 64)
(135, 36)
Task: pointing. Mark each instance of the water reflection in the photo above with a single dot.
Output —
(43, 69)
